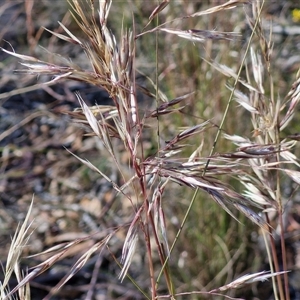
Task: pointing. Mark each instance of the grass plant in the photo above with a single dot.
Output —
(210, 150)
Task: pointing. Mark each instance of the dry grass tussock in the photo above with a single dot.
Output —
(249, 180)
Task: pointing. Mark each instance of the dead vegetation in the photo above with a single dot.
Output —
(125, 190)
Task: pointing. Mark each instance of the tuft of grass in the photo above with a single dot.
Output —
(18, 243)
(218, 150)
